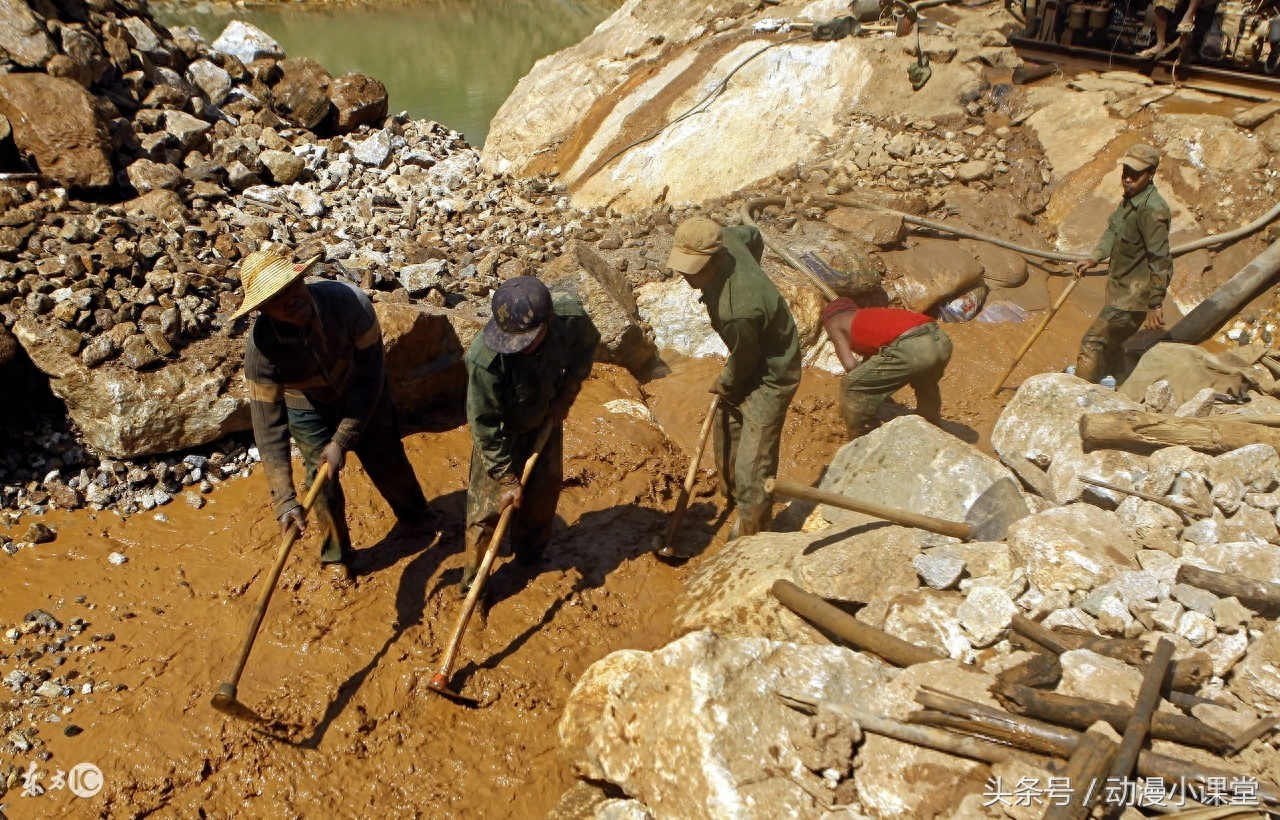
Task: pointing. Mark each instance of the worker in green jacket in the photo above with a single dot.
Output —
(1137, 243)
(527, 365)
(762, 372)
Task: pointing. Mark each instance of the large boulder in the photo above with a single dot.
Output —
(22, 35)
(55, 122)
(358, 99)
(696, 730)
(302, 92)
(655, 59)
(678, 319)
(912, 465)
(860, 563)
(625, 338)
(1076, 547)
(247, 43)
(125, 413)
(423, 356)
(1042, 420)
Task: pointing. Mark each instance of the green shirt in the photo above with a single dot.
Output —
(1137, 240)
(511, 394)
(753, 320)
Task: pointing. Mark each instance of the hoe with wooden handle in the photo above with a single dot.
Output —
(988, 519)
(224, 700)
(439, 682)
(665, 548)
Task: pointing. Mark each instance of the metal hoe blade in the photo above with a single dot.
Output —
(440, 685)
(999, 506)
(224, 700)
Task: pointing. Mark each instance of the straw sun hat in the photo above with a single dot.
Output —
(265, 273)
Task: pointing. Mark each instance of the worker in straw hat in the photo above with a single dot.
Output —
(1136, 242)
(314, 368)
(525, 367)
(762, 373)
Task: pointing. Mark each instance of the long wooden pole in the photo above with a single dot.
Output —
(691, 475)
(1143, 432)
(440, 681)
(1135, 734)
(848, 628)
(1035, 334)
(956, 529)
(1164, 502)
(1260, 596)
(1081, 713)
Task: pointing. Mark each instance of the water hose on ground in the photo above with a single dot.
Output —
(854, 202)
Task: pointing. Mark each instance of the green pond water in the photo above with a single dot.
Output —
(452, 61)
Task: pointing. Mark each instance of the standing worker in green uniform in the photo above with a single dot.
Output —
(1137, 242)
(898, 347)
(314, 367)
(762, 372)
(527, 365)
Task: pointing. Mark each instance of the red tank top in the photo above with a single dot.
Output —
(873, 328)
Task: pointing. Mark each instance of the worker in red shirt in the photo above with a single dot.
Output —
(897, 347)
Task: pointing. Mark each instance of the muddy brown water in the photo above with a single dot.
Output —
(342, 676)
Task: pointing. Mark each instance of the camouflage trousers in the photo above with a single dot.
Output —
(531, 524)
(382, 456)
(747, 440)
(917, 358)
(1102, 346)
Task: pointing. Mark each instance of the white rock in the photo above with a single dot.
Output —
(247, 43)
(374, 149)
(985, 614)
(938, 571)
(211, 79)
(1198, 406)
(1042, 420)
(1086, 674)
(1159, 396)
(1194, 598)
(1075, 547)
(1166, 615)
(1071, 618)
(1227, 650)
(117, 558)
(1197, 628)
(1256, 466)
(929, 618)
(1258, 561)
(1230, 615)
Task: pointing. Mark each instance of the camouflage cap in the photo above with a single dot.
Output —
(521, 306)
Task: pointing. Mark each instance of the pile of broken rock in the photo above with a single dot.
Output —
(697, 726)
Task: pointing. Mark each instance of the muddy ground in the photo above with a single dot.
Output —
(341, 675)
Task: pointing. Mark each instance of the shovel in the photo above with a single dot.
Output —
(988, 519)
(439, 682)
(665, 549)
(224, 700)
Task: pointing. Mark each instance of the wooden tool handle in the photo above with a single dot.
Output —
(1164, 502)
(282, 555)
(955, 529)
(490, 555)
(1035, 334)
(848, 628)
(682, 503)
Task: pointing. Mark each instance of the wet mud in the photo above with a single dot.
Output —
(340, 676)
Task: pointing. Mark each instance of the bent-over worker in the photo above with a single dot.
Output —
(762, 372)
(1137, 243)
(314, 367)
(527, 365)
(898, 347)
